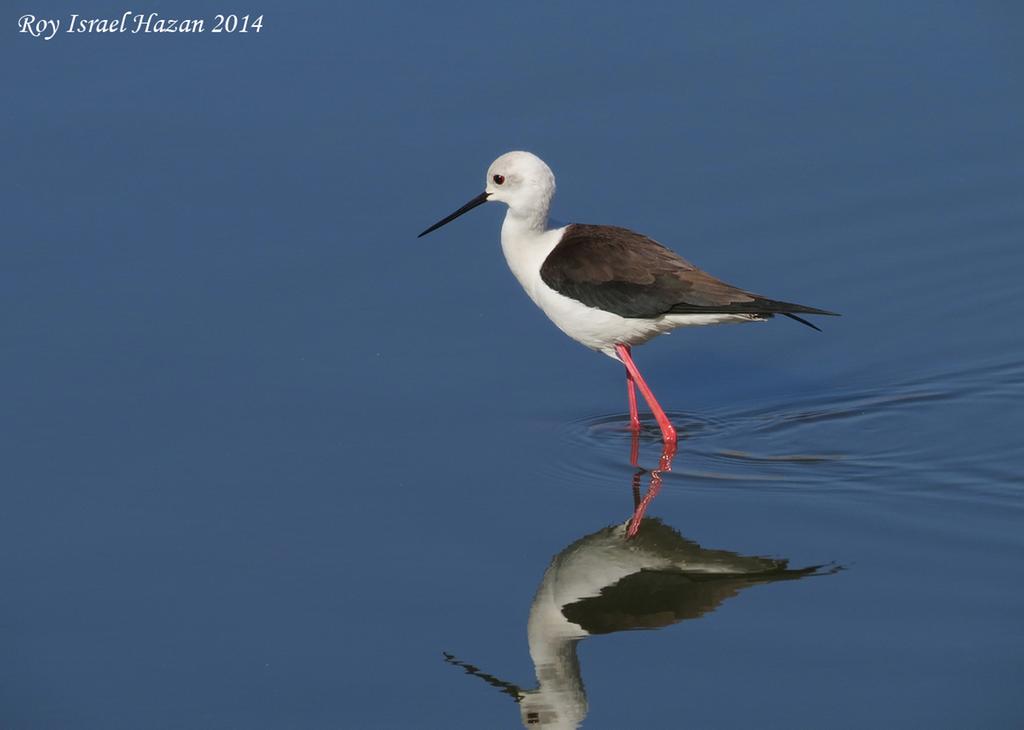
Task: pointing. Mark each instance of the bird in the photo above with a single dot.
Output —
(603, 584)
(609, 288)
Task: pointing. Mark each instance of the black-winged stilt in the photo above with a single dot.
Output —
(606, 287)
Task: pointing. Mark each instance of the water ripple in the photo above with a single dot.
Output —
(864, 438)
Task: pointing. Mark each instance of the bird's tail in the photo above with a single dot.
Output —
(787, 309)
(801, 320)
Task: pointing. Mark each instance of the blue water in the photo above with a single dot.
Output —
(267, 456)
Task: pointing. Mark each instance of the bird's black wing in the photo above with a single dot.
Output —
(651, 599)
(634, 276)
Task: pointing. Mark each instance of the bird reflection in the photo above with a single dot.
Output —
(668, 452)
(639, 574)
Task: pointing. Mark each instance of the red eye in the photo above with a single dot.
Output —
(498, 179)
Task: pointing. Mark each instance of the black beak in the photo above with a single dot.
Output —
(478, 200)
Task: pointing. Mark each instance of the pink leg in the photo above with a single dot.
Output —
(634, 414)
(668, 452)
(668, 431)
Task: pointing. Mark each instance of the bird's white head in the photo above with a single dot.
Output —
(523, 182)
